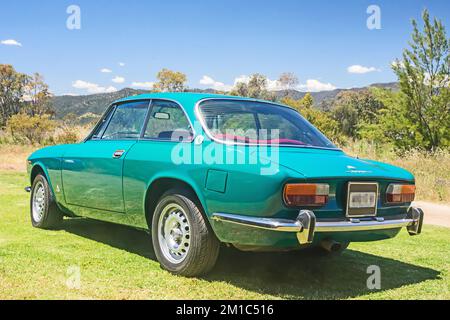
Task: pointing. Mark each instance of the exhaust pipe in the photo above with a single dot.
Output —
(330, 245)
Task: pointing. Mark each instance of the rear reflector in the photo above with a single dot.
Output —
(306, 194)
(400, 193)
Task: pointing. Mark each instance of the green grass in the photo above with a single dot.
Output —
(118, 262)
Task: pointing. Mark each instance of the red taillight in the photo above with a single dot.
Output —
(306, 194)
(400, 193)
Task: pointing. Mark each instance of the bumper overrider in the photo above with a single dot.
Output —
(306, 224)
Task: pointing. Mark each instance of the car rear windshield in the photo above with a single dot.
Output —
(252, 122)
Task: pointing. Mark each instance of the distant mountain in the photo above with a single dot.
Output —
(97, 103)
(323, 99)
(94, 103)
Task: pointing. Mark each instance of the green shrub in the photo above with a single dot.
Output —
(30, 129)
(68, 136)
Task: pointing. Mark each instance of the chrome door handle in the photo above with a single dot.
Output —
(118, 154)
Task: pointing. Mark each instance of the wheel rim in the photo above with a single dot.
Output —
(38, 202)
(174, 233)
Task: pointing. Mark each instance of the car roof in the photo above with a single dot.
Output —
(187, 99)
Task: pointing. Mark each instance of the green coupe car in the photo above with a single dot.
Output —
(202, 170)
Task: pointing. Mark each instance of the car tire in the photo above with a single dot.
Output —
(44, 211)
(183, 241)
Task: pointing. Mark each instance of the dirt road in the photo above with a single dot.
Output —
(436, 214)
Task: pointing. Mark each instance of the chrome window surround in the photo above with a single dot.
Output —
(192, 128)
(113, 112)
(211, 136)
(141, 138)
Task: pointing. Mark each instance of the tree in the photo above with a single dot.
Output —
(255, 88)
(12, 89)
(424, 77)
(320, 119)
(288, 82)
(354, 110)
(392, 124)
(307, 101)
(170, 81)
(347, 118)
(240, 89)
(38, 96)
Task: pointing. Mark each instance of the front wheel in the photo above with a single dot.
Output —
(44, 211)
(183, 241)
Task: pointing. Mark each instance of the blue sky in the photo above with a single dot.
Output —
(222, 40)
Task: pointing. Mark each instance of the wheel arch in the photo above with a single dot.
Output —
(39, 168)
(161, 185)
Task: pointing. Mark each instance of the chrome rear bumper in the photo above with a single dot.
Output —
(306, 224)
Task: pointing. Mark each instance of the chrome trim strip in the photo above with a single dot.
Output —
(285, 225)
(147, 115)
(346, 226)
(211, 136)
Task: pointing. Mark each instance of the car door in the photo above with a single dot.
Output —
(92, 171)
(168, 129)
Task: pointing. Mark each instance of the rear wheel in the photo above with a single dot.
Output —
(183, 241)
(44, 211)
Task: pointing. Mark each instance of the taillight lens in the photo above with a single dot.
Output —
(306, 194)
(400, 193)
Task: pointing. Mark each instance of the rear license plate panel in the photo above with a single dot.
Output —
(362, 198)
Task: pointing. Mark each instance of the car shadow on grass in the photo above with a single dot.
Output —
(292, 275)
(122, 237)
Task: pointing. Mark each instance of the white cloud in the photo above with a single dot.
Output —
(216, 85)
(105, 70)
(358, 69)
(207, 81)
(313, 85)
(92, 87)
(118, 79)
(122, 64)
(143, 85)
(11, 42)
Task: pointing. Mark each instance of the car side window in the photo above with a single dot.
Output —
(127, 121)
(97, 133)
(167, 121)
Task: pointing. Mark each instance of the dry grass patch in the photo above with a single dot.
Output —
(14, 157)
(432, 170)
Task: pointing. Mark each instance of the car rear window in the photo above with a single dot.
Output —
(254, 122)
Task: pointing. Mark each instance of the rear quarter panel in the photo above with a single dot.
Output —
(220, 187)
